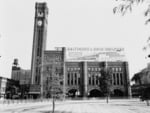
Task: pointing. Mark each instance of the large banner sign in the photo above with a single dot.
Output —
(94, 54)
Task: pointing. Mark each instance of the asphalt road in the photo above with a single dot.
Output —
(80, 106)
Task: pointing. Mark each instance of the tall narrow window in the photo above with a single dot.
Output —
(71, 78)
(117, 78)
(89, 79)
(68, 78)
(79, 80)
(97, 79)
(93, 81)
(121, 78)
(75, 78)
(114, 79)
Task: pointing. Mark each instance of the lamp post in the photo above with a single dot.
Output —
(64, 83)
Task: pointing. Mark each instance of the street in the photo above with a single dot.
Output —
(79, 106)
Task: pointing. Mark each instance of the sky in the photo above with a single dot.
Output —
(72, 23)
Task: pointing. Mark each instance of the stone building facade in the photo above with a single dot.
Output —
(8, 88)
(78, 69)
(141, 81)
(82, 77)
(39, 41)
(21, 75)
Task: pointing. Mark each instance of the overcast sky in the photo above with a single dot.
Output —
(73, 23)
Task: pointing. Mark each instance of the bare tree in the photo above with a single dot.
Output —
(53, 82)
(122, 8)
(127, 5)
(105, 82)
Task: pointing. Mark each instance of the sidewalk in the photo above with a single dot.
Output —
(78, 106)
(10, 104)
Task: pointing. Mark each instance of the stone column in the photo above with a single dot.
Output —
(119, 78)
(112, 78)
(85, 78)
(116, 79)
(91, 78)
(127, 80)
(94, 79)
(77, 78)
(73, 76)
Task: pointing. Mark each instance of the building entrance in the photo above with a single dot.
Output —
(95, 93)
(118, 93)
(72, 93)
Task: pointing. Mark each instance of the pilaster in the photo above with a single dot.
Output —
(85, 79)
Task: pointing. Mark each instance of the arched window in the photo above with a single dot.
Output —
(120, 69)
(92, 69)
(113, 69)
(95, 69)
(116, 69)
(99, 69)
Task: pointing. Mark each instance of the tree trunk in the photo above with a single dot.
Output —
(53, 110)
(147, 101)
(107, 99)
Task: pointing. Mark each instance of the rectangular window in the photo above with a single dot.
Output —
(121, 78)
(79, 80)
(75, 78)
(3, 89)
(93, 81)
(97, 80)
(61, 82)
(68, 78)
(114, 79)
(71, 78)
(89, 80)
(117, 78)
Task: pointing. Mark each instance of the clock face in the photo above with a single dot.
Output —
(39, 22)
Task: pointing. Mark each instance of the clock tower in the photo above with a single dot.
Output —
(39, 41)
